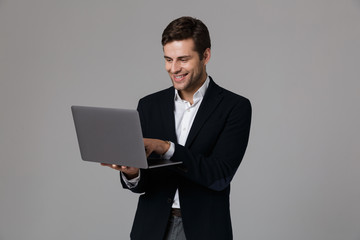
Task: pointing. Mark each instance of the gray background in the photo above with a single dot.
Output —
(297, 61)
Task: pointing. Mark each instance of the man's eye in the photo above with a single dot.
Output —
(184, 60)
(168, 60)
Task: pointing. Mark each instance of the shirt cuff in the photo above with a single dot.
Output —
(170, 152)
(131, 183)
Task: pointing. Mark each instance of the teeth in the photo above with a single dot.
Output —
(179, 76)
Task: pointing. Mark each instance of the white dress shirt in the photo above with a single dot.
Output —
(184, 113)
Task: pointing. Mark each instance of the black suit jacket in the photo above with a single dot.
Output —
(213, 151)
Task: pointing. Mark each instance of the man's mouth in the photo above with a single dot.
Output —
(179, 78)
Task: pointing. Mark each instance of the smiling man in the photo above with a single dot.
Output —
(185, 67)
(195, 122)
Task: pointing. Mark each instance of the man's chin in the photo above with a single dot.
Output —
(178, 85)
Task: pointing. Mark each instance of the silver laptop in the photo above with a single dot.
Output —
(113, 136)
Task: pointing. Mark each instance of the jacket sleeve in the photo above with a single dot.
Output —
(139, 188)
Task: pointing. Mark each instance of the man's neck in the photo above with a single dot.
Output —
(189, 95)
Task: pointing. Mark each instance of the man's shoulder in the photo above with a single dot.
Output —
(229, 96)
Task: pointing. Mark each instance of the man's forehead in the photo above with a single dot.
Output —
(179, 48)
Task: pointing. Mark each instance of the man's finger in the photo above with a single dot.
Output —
(123, 168)
(116, 167)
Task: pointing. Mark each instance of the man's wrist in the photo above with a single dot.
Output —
(168, 144)
(170, 151)
(131, 176)
(131, 183)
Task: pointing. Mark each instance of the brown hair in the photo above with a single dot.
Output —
(185, 28)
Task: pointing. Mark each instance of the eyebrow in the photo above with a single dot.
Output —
(181, 57)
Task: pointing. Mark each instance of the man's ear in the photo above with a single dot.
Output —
(206, 55)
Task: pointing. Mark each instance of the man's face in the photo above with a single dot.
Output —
(186, 70)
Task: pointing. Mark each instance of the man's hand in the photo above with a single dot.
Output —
(151, 145)
(155, 145)
(130, 172)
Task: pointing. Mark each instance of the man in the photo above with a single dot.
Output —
(199, 124)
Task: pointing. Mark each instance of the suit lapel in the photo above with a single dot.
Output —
(167, 112)
(210, 102)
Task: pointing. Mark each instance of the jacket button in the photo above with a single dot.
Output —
(169, 200)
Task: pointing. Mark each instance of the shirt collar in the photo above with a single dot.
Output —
(199, 94)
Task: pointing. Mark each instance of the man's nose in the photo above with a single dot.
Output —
(175, 67)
